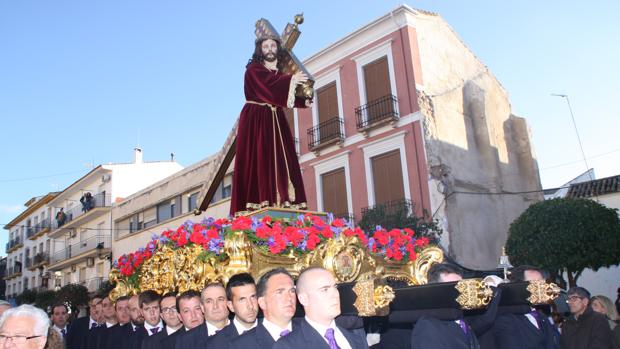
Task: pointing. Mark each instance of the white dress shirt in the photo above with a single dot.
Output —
(171, 330)
(211, 329)
(241, 328)
(148, 327)
(275, 330)
(532, 319)
(91, 322)
(59, 330)
(342, 341)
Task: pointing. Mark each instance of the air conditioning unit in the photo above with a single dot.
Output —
(90, 262)
(106, 178)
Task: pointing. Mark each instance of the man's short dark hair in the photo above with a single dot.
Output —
(434, 272)
(169, 294)
(518, 273)
(261, 285)
(578, 291)
(189, 294)
(56, 305)
(237, 280)
(148, 296)
(121, 299)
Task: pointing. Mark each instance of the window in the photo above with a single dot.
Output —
(377, 85)
(169, 209)
(82, 275)
(191, 202)
(334, 188)
(100, 269)
(100, 229)
(387, 175)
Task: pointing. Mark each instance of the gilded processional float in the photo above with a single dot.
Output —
(380, 272)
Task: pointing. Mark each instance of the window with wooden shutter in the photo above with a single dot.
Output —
(334, 189)
(327, 100)
(377, 85)
(387, 175)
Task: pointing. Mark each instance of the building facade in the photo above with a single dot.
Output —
(28, 248)
(165, 205)
(405, 114)
(81, 224)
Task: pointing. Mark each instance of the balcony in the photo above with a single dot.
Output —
(13, 272)
(15, 244)
(92, 284)
(91, 247)
(376, 113)
(326, 133)
(38, 230)
(28, 262)
(39, 260)
(92, 208)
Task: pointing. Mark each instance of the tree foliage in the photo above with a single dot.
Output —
(45, 299)
(73, 294)
(26, 297)
(565, 235)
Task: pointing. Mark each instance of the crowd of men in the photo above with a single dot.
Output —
(227, 316)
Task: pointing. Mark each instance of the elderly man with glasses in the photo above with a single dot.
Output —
(24, 327)
(585, 329)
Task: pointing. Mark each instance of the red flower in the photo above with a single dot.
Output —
(263, 232)
(338, 223)
(242, 223)
(213, 234)
(381, 236)
(409, 232)
(313, 240)
(421, 242)
(182, 241)
(266, 220)
(197, 238)
(327, 232)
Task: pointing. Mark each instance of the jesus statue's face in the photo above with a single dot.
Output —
(270, 49)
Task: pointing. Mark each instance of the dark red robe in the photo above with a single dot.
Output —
(266, 171)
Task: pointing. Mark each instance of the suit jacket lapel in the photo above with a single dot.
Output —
(204, 333)
(263, 337)
(312, 336)
(354, 340)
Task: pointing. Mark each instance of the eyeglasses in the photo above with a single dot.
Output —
(573, 299)
(170, 310)
(18, 340)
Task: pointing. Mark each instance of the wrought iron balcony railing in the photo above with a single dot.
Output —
(376, 112)
(325, 133)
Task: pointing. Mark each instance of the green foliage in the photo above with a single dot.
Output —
(73, 294)
(26, 297)
(45, 299)
(565, 235)
(396, 215)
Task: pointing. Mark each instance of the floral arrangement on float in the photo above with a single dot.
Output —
(217, 248)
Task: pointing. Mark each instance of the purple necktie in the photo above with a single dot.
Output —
(536, 317)
(331, 339)
(63, 332)
(284, 332)
(93, 325)
(463, 326)
(154, 330)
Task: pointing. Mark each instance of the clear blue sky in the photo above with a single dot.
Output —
(85, 82)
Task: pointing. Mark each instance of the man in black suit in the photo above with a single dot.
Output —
(213, 305)
(190, 314)
(119, 332)
(525, 331)
(242, 301)
(168, 313)
(432, 333)
(136, 331)
(318, 294)
(79, 329)
(276, 298)
(98, 338)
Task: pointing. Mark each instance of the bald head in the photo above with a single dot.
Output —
(318, 294)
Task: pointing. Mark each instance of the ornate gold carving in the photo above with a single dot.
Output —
(426, 258)
(542, 292)
(344, 256)
(383, 296)
(473, 293)
(364, 303)
(239, 251)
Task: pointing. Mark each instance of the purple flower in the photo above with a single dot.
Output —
(330, 217)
